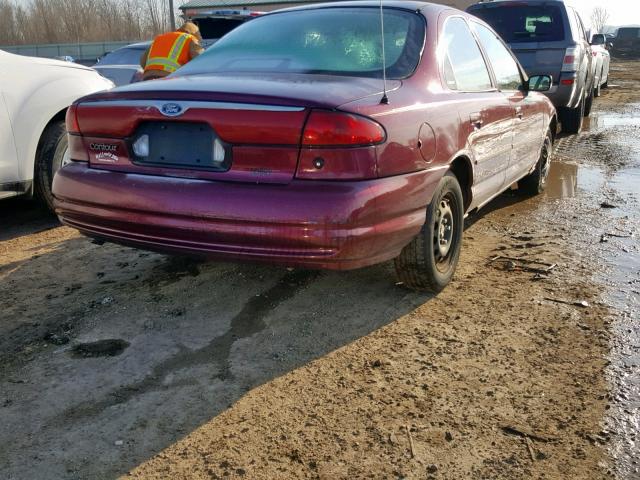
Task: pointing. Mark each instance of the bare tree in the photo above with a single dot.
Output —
(599, 18)
(71, 21)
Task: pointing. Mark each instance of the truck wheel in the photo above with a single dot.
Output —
(571, 118)
(536, 181)
(53, 153)
(587, 105)
(429, 261)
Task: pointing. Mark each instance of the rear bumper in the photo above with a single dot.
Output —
(565, 96)
(314, 224)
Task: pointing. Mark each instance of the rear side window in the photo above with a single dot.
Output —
(464, 67)
(122, 56)
(504, 66)
(333, 41)
(517, 23)
(629, 33)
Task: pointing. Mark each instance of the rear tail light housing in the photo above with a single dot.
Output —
(339, 146)
(571, 61)
(339, 129)
(71, 120)
(77, 150)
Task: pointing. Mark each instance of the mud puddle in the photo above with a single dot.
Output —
(602, 166)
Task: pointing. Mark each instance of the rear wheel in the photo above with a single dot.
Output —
(587, 105)
(430, 260)
(572, 118)
(53, 154)
(536, 181)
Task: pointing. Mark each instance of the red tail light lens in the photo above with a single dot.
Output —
(77, 150)
(71, 120)
(337, 129)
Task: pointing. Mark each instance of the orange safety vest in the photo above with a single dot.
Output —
(169, 52)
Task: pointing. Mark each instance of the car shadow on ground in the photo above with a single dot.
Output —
(193, 337)
(19, 216)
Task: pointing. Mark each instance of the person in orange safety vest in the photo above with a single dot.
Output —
(169, 51)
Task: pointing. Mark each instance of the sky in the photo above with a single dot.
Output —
(623, 12)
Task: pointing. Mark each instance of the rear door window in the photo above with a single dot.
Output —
(464, 68)
(518, 23)
(504, 66)
(629, 33)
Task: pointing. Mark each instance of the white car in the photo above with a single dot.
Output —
(601, 62)
(34, 96)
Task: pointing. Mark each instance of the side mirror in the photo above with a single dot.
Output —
(540, 83)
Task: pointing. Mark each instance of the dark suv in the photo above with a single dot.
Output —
(627, 42)
(549, 38)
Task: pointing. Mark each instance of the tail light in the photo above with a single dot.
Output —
(71, 120)
(571, 62)
(77, 151)
(337, 129)
(339, 146)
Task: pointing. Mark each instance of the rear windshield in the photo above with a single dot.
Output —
(629, 33)
(122, 56)
(214, 28)
(338, 41)
(524, 23)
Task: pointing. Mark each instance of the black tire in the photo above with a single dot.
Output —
(572, 118)
(588, 104)
(430, 260)
(51, 150)
(605, 85)
(536, 181)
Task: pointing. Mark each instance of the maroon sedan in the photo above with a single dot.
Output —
(291, 141)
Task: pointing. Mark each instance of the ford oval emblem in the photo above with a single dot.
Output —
(171, 109)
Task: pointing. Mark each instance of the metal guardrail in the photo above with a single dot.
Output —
(79, 51)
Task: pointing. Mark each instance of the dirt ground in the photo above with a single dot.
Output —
(212, 370)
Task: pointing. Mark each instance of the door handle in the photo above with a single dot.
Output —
(476, 120)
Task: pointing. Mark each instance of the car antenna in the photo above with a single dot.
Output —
(384, 100)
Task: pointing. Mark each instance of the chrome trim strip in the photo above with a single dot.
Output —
(191, 104)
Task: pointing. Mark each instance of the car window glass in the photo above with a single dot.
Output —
(464, 68)
(517, 23)
(628, 33)
(122, 56)
(583, 33)
(504, 66)
(329, 41)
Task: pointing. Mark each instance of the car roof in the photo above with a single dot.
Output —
(499, 3)
(401, 4)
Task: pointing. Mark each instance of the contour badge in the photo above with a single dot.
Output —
(171, 110)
